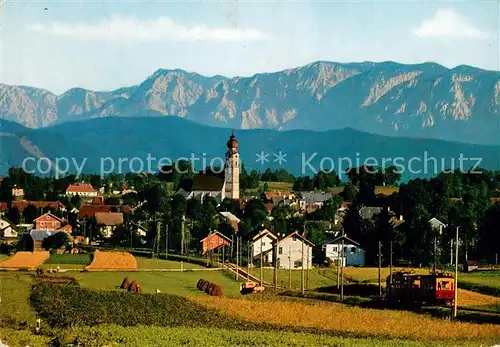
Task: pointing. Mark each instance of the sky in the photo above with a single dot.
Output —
(104, 45)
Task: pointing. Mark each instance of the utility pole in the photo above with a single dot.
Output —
(307, 274)
(379, 269)
(290, 267)
(275, 263)
(302, 280)
(248, 261)
(261, 262)
(237, 253)
(338, 266)
(342, 271)
(455, 303)
(390, 270)
(451, 252)
(182, 236)
(166, 242)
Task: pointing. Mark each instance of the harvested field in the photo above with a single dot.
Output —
(112, 261)
(30, 260)
(342, 318)
(473, 299)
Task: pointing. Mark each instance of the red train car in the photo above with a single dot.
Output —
(432, 289)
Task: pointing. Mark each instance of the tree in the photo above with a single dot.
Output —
(30, 213)
(366, 195)
(13, 215)
(489, 235)
(349, 193)
(56, 241)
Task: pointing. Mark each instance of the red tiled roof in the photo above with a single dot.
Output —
(269, 207)
(22, 204)
(98, 200)
(80, 188)
(48, 214)
(109, 218)
(3, 206)
(89, 211)
(346, 204)
(494, 200)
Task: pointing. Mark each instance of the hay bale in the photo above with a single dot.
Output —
(208, 289)
(125, 283)
(200, 282)
(216, 290)
(132, 286)
(204, 286)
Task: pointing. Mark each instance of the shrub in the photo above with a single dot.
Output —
(64, 306)
(216, 290)
(66, 280)
(125, 283)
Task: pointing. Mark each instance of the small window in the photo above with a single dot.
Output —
(280, 250)
(42, 224)
(297, 263)
(294, 238)
(353, 249)
(334, 248)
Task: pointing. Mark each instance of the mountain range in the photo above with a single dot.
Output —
(100, 143)
(419, 101)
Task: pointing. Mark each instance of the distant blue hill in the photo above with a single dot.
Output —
(174, 138)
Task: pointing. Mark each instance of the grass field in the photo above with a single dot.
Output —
(167, 282)
(323, 277)
(155, 263)
(3, 256)
(14, 307)
(348, 319)
(149, 336)
(486, 282)
(77, 259)
(22, 338)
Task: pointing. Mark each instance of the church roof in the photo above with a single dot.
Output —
(204, 182)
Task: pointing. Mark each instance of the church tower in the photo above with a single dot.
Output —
(232, 169)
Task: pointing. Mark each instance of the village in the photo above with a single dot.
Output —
(370, 241)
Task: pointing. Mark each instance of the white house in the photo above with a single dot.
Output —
(294, 251)
(436, 224)
(263, 242)
(7, 229)
(81, 189)
(353, 254)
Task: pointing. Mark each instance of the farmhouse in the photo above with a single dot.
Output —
(263, 242)
(214, 241)
(38, 236)
(232, 219)
(368, 212)
(47, 222)
(290, 253)
(7, 229)
(436, 224)
(353, 254)
(108, 221)
(81, 189)
(314, 199)
(217, 185)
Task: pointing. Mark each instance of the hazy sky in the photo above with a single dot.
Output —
(103, 45)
